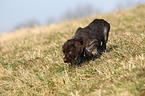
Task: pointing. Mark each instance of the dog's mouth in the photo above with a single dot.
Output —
(68, 60)
(65, 60)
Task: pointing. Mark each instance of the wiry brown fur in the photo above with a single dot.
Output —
(85, 40)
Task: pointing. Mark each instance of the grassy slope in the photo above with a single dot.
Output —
(31, 59)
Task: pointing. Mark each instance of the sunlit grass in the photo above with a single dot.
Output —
(31, 59)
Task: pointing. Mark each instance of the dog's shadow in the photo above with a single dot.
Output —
(111, 48)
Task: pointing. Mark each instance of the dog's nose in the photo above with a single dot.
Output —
(64, 60)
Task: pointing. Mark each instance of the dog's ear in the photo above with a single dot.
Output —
(82, 40)
(70, 42)
(80, 43)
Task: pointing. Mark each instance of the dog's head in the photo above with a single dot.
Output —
(72, 49)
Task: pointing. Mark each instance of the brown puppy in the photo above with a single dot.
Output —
(85, 40)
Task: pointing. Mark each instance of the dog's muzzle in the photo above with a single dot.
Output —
(64, 59)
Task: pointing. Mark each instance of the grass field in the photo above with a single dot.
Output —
(31, 59)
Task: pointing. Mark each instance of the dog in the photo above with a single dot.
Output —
(85, 40)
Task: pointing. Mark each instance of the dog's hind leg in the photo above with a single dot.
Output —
(102, 48)
(105, 39)
(98, 49)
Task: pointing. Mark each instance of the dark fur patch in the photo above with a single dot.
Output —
(85, 40)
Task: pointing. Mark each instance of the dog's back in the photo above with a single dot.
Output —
(101, 27)
(97, 29)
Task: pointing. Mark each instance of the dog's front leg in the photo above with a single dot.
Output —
(80, 60)
(88, 54)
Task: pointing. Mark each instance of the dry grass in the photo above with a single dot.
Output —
(31, 59)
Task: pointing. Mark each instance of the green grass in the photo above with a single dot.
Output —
(31, 59)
